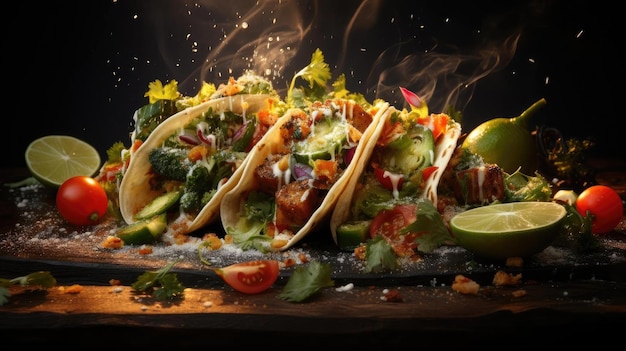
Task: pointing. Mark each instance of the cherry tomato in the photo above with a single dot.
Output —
(251, 277)
(81, 200)
(388, 179)
(388, 223)
(604, 204)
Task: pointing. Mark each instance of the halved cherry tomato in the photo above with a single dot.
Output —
(437, 122)
(251, 277)
(604, 204)
(389, 223)
(387, 179)
(81, 200)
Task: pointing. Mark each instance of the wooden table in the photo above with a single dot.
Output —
(563, 304)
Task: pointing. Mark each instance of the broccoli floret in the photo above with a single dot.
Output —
(198, 183)
(171, 163)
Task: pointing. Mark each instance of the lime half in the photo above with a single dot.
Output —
(505, 230)
(53, 159)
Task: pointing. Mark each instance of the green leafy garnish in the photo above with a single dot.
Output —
(379, 256)
(317, 73)
(430, 222)
(575, 231)
(39, 280)
(114, 153)
(161, 284)
(307, 281)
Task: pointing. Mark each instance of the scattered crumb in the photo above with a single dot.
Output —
(517, 262)
(518, 293)
(73, 289)
(112, 242)
(465, 285)
(346, 287)
(145, 250)
(502, 278)
(392, 295)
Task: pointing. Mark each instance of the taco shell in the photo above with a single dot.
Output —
(444, 148)
(232, 206)
(135, 191)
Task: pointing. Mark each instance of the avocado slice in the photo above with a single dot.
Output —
(145, 231)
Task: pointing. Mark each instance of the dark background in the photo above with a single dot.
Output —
(82, 70)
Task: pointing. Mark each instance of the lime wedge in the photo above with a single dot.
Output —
(505, 230)
(53, 159)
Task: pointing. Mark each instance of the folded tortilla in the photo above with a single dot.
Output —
(444, 148)
(135, 190)
(233, 212)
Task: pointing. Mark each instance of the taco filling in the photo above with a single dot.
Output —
(392, 195)
(292, 181)
(198, 155)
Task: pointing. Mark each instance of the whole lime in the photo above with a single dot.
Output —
(507, 142)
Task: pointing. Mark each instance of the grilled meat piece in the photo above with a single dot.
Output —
(295, 203)
(267, 176)
(479, 185)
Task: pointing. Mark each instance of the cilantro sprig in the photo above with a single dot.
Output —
(306, 281)
(37, 280)
(317, 74)
(161, 284)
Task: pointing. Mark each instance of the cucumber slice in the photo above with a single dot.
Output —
(158, 205)
(326, 140)
(352, 234)
(416, 155)
(145, 231)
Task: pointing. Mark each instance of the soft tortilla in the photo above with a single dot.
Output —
(233, 202)
(443, 152)
(135, 192)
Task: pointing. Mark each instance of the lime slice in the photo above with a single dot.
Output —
(514, 229)
(55, 158)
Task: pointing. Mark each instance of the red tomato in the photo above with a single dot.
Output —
(81, 200)
(428, 171)
(438, 123)
(388, 223)
(251, 277)
(604, 204)
(386, 179)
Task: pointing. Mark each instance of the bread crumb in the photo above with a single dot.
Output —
(465, 285)
(112, 242)
(502, 278)
(517, 262)
(73, 289)
(145, 250)
(518, 293)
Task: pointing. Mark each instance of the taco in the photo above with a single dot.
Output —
(397, 174)
(296, 173)
(196, 156)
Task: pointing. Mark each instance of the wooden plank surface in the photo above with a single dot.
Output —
(587, 295)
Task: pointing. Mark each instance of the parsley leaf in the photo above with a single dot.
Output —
(430, 222)
(41, 279)
(306, 281)
(380, 255)
(161, 284)
(317, 73)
